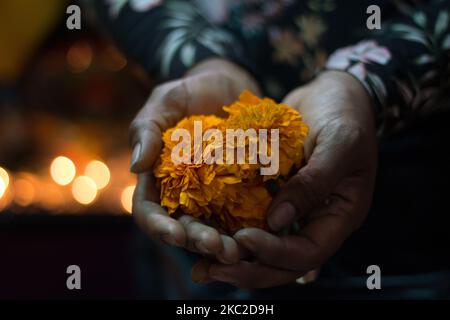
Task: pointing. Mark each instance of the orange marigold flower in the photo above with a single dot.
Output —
(231, 195)
(253, 112)
(245, 206)
(193, 188)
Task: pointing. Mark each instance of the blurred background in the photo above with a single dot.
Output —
(66, 100)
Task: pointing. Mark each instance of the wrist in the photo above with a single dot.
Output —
(228, 69)
(333, 95)
(341, 86)
(346, 84)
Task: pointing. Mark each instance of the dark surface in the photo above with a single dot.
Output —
(408, 228)
(35, 252)
(116, 259)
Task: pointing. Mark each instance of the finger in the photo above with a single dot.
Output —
(309, 277)
(318, 240)
(230, 255)
(203, 238)
(231, 252)
(165, 107)
(311, 186)
(245, 274)
(151, 217)
(147, 143)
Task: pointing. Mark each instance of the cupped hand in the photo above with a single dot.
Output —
(204, 90)
(331, 193)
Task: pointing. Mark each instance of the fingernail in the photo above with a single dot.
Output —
(311, 276)
(202, 248)
(307, 278)
(224, 260)
(301, 280)
(169, 239)
(281, 216)
(136, 155)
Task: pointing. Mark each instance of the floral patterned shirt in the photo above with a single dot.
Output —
(405, 66)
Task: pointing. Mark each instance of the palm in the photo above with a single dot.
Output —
(331, 193)
(202, 93)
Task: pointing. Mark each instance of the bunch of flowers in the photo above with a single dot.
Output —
(228, 194)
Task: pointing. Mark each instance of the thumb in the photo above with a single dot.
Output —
(146, 140)
(311, 185)
(305, 191)
(164, 108)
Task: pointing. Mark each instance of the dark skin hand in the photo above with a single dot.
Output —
(204, 90)
(332, 192)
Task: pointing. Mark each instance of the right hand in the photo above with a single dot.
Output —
(204, 90)
(332, 192)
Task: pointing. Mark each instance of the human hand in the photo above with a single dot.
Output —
(204, 90)
(331, 193)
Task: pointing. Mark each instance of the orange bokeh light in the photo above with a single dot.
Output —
(79, 56)
(4, 181)
(127, 198)
(99, 173)
(25, 192)
(62, 170)
(84, 190)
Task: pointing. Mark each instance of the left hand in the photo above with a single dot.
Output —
(332, 192)
(205, 89)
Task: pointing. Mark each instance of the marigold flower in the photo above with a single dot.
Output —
(253, 112)
(245, 206)
(191, 187)
(229, 195)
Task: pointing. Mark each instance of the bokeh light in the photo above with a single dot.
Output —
(112, 59)
(79, 56)
(62, 170)
(84, 190)
(2, 188)
(99, 172)
(52, 199)
(4, 181)
(127, 198)
(25, 192)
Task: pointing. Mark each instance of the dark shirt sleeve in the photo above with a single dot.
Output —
(167, 37)
(406, 66)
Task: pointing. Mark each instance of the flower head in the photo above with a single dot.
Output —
(193, 188)
(232, 195)
(253, 112)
